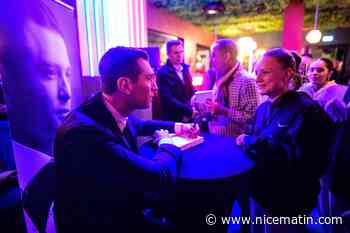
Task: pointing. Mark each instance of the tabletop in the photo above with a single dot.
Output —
(216, 158)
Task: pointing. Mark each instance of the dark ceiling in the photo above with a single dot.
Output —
(246, 17)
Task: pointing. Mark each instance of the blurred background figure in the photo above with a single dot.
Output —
(235, 96)
(339, 172)
(319, 74)
(296, 80)
(306, 60)
(175, 85)
(322, 86)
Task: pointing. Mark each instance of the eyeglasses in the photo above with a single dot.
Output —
(317, 69)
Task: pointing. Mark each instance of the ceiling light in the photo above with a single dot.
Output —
(315, 35)
(213, 7)
(212, 12)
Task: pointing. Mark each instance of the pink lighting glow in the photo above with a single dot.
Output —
(293, 26)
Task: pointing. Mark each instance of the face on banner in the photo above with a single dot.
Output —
(51, 71)
(38, 75)
(36, 60)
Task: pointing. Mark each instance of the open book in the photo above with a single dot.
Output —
(185, 143)
(202, 96)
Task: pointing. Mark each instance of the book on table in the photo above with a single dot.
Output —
(185, 143)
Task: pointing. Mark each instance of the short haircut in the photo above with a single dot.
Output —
(282, 56)
(226, 46)
(172, 43)
(119, 62)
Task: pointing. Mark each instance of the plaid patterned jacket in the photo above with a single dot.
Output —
(243, 101)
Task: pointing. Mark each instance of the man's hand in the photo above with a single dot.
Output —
(216, 108)
(240, 140)
(162, 137)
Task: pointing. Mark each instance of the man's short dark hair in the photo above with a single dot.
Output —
(172, 43)
(283, 57)
(119, 62)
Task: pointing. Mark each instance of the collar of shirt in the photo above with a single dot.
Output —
(222, 79)
(121, 121)
(178, 69)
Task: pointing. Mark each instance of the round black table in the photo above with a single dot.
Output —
(216, 158)
(211, 176)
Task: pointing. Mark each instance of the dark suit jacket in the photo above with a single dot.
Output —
(175, 95)
(101, 179)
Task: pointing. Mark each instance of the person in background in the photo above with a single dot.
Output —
(330, 96)
(297, 60)
(175, 85)
(320, 87)
(101, 177)
(296, 81)
(306, 60)
(290, 143)
(339, 174)
(235, 98)
(319, 74)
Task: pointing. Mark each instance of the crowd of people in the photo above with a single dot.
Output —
(290, 117)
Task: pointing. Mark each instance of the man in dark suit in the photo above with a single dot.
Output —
(175, 85)
(101, 178)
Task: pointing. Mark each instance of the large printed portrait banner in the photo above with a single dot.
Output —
(40, 72)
